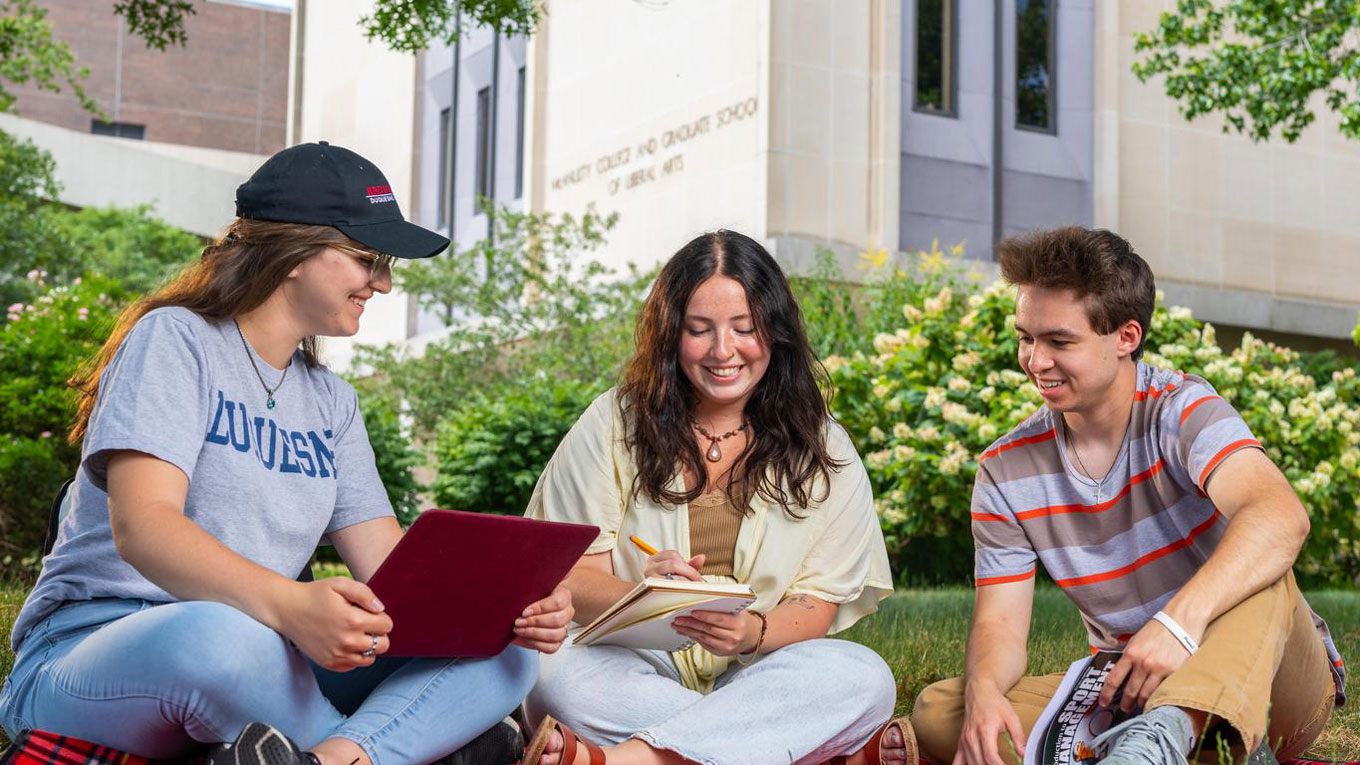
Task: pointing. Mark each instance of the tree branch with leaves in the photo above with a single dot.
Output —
(1258, 62)
(406, 26)
(29, 54)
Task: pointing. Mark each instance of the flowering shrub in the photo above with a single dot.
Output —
(1310, 430)
(41, 345)
(924, 397)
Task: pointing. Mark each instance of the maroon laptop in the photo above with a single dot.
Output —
(457, 581)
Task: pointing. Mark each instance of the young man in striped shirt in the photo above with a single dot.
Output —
(1150, 503)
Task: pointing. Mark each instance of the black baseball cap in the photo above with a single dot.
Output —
(324, 185)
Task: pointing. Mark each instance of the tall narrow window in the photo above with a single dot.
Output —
(935, 57)
(519, 137)
(445, 177)
(484, 143)
(1034, 47)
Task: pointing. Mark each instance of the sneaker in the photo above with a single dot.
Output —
(502, 744)
(260, 744)
(1161, 736)
(1263, 755)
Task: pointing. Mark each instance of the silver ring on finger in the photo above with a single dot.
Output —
(372, 649)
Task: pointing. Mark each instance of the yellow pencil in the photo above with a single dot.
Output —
(641, 545)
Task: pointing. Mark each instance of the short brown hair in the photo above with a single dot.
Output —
(1100, 266)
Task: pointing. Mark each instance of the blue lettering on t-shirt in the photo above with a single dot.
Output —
(244, 444)
(304, 457)
(325, 458)
(215, 435)
(288, 451)
(266, 457)
(286, 463)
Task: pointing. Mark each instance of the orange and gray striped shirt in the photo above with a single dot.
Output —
(1120, 547)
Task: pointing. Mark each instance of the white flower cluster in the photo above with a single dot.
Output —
(937, 305)
(954, 457)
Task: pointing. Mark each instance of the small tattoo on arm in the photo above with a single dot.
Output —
(803, 601)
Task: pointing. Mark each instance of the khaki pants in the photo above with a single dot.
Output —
(1261, 667)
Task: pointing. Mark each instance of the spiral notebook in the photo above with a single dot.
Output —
(643, 617)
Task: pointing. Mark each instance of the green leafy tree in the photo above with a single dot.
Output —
(1258, 62)
(405, 25)
(410, 25)
(30, 243)
(523, 303)
(158, 22)
(128, 244)
(29, 54)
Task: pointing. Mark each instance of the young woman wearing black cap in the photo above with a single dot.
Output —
(217, 452)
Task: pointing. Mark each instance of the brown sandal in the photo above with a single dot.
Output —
(872, 750)
(533, 751)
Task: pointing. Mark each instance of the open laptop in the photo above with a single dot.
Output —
(457, 581)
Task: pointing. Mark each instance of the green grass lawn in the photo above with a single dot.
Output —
(921, 633)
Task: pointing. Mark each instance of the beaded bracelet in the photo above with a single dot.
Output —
(755, 652)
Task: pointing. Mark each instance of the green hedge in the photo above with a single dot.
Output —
(393, 452)
(41, 345)
(490, 450)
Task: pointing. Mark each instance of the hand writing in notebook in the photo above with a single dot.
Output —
(723, 634)
(669, 564)
(543, 624)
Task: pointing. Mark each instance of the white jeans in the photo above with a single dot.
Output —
(804, 703)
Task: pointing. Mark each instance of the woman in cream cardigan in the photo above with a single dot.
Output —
(718, 449)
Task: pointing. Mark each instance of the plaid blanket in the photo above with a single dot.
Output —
(38, 747)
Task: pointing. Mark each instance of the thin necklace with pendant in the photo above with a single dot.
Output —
(1100, 485)
(269, 392)
(714, 453)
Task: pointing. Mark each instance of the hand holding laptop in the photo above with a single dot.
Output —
(469, 584)
(543, 625)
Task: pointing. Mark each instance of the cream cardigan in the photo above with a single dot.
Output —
(835, 552)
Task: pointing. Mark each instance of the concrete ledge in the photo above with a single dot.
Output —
(189, 187)
(1259, 310)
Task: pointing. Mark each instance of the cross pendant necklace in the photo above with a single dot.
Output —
(1100, 485)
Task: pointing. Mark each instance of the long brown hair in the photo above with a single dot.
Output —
(236, 274)
(787, 411)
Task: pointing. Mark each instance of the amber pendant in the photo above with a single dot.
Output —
(714, 454)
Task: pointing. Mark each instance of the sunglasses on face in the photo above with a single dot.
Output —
(376, 262)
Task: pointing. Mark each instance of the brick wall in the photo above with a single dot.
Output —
(227, 88)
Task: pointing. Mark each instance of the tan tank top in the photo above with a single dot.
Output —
(713, 527)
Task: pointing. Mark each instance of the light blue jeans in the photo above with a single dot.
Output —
(160, 679)
(803, 703)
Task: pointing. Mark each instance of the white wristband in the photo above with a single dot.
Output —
(1177, 632)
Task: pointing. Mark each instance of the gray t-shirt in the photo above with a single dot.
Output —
(268, 483)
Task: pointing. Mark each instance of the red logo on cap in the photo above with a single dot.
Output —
(379, 194)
